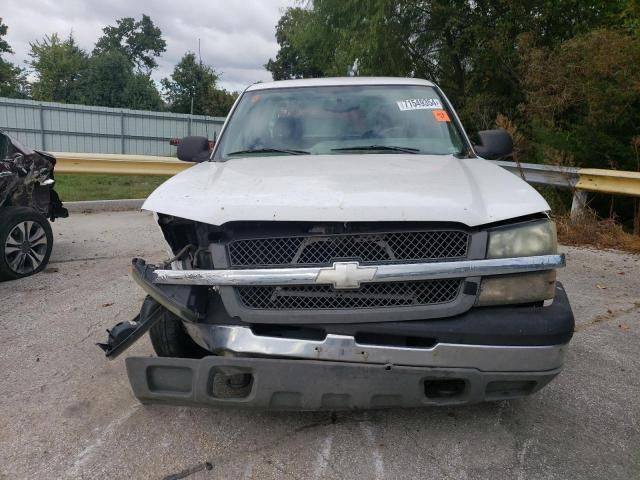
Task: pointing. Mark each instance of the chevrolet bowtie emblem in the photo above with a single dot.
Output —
(346, 275)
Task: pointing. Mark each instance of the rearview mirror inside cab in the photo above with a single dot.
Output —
(494, 144)
(194, 149)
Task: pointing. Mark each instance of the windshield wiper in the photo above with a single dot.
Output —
(270, 150)
(378, 147)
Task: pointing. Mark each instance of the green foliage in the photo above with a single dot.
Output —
(294, 60)
(140, 93)
(140, 41)
(194, 82)
(583, 97)
(65, 73)
(630, 15)
(4, 46)
(109, 81)
(58, 66)
(105, 79)
(470, 47)
(13, 80)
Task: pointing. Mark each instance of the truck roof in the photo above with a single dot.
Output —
(340, 81)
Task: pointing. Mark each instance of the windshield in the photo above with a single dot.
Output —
(340, 120)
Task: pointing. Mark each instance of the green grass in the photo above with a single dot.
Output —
(105, 187)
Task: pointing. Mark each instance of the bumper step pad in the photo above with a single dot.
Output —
(280, 384)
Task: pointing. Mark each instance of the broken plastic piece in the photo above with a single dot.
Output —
(124, 334)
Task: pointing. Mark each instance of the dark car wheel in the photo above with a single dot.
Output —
(26, 240)
(168, 336)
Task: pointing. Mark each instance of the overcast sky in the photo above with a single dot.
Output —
(237, 36)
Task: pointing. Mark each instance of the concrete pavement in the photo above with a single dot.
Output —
(66, 412)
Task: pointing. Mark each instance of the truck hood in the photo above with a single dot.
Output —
(347, 188)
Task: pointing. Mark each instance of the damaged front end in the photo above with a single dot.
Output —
(28, 203)
(186, 302)
(421, 342)
(27, 179)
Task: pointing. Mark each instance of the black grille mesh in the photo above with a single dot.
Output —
(322, 250)
(369, 295)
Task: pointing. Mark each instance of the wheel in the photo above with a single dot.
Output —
(168, 336)
(26, 240)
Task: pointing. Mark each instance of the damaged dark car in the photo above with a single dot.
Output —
(28, 203)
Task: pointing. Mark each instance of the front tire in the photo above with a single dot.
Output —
(168, 336)
(26, 241)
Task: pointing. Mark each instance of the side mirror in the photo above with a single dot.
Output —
(494, 144)
(193, 149)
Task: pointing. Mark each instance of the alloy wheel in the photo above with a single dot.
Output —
(25, 247)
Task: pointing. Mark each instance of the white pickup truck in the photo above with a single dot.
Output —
(344, 245)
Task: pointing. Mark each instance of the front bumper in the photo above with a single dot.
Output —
(283, 384)
(490, 353)
(242, 341)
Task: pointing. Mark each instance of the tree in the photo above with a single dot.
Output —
(13, 80)
(140, 41)
(470, 47)
(110, 81)
(193, 82)
(105, 79)
(58, 66)
(291, 61)
(140, 93)
(581, 97)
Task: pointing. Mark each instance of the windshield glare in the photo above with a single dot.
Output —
(340, 120)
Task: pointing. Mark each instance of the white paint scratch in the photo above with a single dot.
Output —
(322, 459)
(501, 407)
(378, 464)
(521, 456)
(247, 473)
(85, 455)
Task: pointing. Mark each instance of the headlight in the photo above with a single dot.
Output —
(535, 238)
(538, 238)
(522, 288)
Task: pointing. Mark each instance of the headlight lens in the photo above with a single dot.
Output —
(527, 240)
(522, 288)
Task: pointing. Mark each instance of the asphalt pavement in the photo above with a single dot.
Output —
(66, 412)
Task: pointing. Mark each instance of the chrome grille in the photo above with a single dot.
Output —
(369, 295)
(368, 247)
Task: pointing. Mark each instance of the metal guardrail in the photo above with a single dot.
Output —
(537, 174)
(115, 164)
(579, 180)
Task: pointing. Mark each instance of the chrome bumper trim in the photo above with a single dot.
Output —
(351, 274)
(242, 341)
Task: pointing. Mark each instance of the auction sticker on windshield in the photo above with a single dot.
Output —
(419, 104)
(441, 116)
